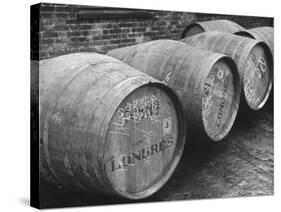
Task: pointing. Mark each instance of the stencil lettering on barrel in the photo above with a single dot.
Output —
(222, 104)
(208, 92)
(167, 125)
(218, 92)
(122, 162)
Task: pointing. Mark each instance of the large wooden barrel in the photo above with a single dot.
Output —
(207, 83)
(265, 34)
(104, 126)
(213, 25)
(253, 59)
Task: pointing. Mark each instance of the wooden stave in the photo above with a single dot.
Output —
(194, 115)
(265, 34)
(200, 41)
(213, 25)
(140, 80)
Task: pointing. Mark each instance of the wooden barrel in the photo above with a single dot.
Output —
(265, 34)
(104, 126)
(214, 25)
(207, 83)
(253, 59)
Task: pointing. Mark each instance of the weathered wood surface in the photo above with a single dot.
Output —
(219, 94)
(265, 34)
(214, 25)
(141, 140)
(206, 82)
(253, 59)
(104, 126)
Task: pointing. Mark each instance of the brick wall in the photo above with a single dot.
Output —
(62, 29)
(245, 21)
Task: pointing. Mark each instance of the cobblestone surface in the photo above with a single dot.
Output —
(240, 165)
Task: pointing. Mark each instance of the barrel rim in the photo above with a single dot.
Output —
(269, 87)
(253, 31)
(169, 170)
(224, 21)
(183, 35)
(236, 100)
(263, 27)
(245, 33)
(201, 25)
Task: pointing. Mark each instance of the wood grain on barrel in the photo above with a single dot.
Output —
(79, 96)
(218, 96)
(213, 25)
(256, 78)
(185, 69)
(140, 142)
(265, 34)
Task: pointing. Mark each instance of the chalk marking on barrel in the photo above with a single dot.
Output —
(220, 74)
(145, 107)
(119, 129)
(57, 118)
(150, 133)
(262, 64)
(167, 78)
(118, 133)
(260, 67)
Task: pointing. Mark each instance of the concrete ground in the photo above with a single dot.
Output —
(241, 165)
